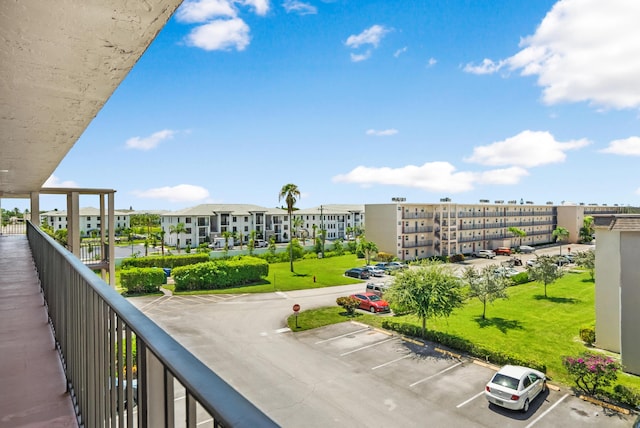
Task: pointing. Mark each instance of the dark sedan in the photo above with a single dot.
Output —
(359, 273)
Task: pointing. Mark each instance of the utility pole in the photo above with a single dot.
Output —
(323, 233)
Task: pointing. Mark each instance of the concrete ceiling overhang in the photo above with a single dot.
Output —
(59, 63)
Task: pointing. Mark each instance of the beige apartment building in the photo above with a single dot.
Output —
(618, 287)
(413, 231)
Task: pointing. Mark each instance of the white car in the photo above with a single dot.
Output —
(526, 249)
(506, 272)
(374, 271)
(515, 387)
(487, 254)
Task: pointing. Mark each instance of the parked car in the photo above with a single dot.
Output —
(260, 243)
(378, 289)
(372, 302)
(515, 387)
(374, 271)
(391, 266)
(381, 265)
(506, 271)
(562, 260)
(532, 262)
(487, 254)
(358, 273)
(526, 249)
(503, 251)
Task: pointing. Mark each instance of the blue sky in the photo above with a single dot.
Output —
(359, 102)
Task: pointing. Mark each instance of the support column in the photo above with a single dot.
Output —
(112, 239)
(35, 208)
(73, 223)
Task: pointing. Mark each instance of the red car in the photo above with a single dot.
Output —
(372, 302)
(502, 251)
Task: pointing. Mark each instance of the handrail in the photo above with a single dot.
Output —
(94, 326)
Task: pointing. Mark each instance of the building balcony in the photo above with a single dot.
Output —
(68, 337)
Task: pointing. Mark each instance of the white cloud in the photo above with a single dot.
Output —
(431, 62)
(370, 36)
(150, 142)
(382, 132)
(204, 10)
(626, 147)
(360, 57)
(487, 67)
(54, 181)
(527, 149)
(432, 177)
(400, 51)
(261, 7)
(179, 193)
(583, 50)
(221, 34)
(299, 7)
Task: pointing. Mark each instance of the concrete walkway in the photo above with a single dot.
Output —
(32, 383)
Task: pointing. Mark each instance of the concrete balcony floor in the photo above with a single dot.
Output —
(32, 383)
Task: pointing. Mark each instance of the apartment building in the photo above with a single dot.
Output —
(339, 220)
(203, 223)
(413, 231)
(90, 220)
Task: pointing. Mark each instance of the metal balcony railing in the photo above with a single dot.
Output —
(102, 338)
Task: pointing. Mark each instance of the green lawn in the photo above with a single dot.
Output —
(526, 325)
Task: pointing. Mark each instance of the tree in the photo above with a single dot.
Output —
(518, 232)
(561, 234)
(252, 242)
(427, 291)
(587, 260)
(297, 225)
(226, 235)
(486, 285)
(368, 248)
(178, 229)
(586, 231)
(545, 271)
(290, 193)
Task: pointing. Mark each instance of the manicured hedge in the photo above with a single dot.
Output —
(142, 280)
(166, 261)
(220, 274)
(463, 345)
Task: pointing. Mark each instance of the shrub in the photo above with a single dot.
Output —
(588, 335)
(456, 258)
(142, 280)
(520, 278)
(384, 257)
(350, 304)
(624, 395)
(166, 261)
(591, 372)
(220, 273)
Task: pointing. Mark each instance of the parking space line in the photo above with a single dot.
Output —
(367, 347)
(470, 399)
(342, 335)
(391, 362)
(547, 411)
(434, 375)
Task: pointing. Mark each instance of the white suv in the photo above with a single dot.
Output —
(487, 254)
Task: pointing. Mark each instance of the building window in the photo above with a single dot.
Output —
(89, 218)
(233, 219)
(187, 220)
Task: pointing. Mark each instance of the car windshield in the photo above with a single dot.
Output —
(374, 298)
(502, 380)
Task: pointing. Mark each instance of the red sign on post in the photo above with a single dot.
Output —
(296, 308)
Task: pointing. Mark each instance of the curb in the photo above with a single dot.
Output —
(605, 404)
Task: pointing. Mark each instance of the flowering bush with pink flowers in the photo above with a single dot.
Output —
(592, 372)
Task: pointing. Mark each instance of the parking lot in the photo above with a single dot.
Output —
(452, 384)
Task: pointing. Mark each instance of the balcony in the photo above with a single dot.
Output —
(65, 372)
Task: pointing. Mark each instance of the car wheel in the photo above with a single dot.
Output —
(525, 407)
(372, 309)
(545, 388)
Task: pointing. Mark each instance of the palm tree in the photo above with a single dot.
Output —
(289, 193)
(518, 232)
(560, 233)
(177, 229)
